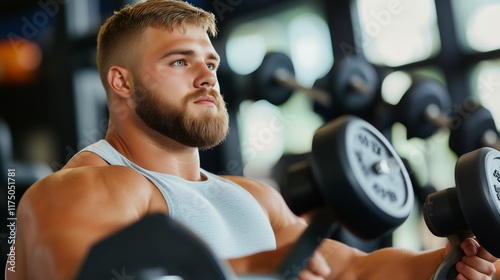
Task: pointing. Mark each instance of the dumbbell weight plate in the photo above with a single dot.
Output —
(411, 108)
(467, 131)
(362, 177)
(477, 176)
(354, 84)
(155, 244)
(263, 84)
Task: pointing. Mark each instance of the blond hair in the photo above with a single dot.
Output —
(126, 25)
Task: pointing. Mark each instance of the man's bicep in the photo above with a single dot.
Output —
(59, 221)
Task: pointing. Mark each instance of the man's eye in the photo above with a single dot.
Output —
(179, 63)
(211, 66)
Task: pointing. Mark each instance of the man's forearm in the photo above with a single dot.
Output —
(388, 263)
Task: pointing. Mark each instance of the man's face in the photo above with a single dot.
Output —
(176, 88)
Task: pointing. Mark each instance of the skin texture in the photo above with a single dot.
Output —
(61, 216)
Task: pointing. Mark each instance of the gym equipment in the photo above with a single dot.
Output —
(153, 247)
(355, 174)
(475, 130)
(426, 107)
(353, 84)
(472, 208)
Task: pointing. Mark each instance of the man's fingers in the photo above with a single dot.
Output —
(318, 265)
(317, 268)
(475, 268)
(308, 275)
(470, 246)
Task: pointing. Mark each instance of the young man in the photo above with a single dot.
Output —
(158, 67)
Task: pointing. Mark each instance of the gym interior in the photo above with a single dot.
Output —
(425, 74)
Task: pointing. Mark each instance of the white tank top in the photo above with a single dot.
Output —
(223, 214)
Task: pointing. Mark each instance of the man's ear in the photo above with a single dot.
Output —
(120, 81)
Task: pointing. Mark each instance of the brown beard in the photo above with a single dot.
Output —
(205, 131)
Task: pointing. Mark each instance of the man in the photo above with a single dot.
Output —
(158, 67)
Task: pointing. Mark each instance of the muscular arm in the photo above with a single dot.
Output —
(345, 262)
(61, 217)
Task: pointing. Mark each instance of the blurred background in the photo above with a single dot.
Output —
(53, 104)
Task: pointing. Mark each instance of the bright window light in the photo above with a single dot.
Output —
(262, 134)
(482, 30)
(394, 32)
(487, 87)
(310, 47)
(477, 24)
(394, 86)
(245, 53)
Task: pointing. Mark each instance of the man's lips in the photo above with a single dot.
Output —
(207, 99)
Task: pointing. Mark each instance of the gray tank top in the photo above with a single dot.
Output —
(223, 214)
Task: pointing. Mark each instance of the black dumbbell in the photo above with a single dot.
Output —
(472, 208)
(357, 180)
(273, 81)
(152, 247)
(353, 84)
(426, 107)
(472, 130)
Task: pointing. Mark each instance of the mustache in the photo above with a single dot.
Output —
(204, 92)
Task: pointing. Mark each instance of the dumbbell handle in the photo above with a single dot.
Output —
(357, 83)
(434, 115)
(447, 270)
(321, 226)
(287, 79)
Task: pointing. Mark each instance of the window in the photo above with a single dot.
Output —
(397, 32)
(477, 24)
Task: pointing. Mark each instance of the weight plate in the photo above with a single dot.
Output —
(155, 243)
(264, 85)
(354, 84)
(477, 176)
(467, 131)
(410, 109)
(345, 155)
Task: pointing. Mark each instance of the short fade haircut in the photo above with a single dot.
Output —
(126, 25)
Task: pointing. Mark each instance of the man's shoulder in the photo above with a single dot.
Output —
(87, 181)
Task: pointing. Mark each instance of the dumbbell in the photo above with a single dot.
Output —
(356, 179)
(475, 129)
(150, 248)
(472, 208)
(352, 86)
(426, 107)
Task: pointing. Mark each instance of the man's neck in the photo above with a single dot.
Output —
(159, 154)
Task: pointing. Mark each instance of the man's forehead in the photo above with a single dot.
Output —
(189, 38)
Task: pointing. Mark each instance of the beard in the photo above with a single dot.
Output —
(203, 131)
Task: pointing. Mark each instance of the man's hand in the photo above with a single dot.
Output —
(477, 262)
(317, 268)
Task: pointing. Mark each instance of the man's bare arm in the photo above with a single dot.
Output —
(347, 262)
(63, 215)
